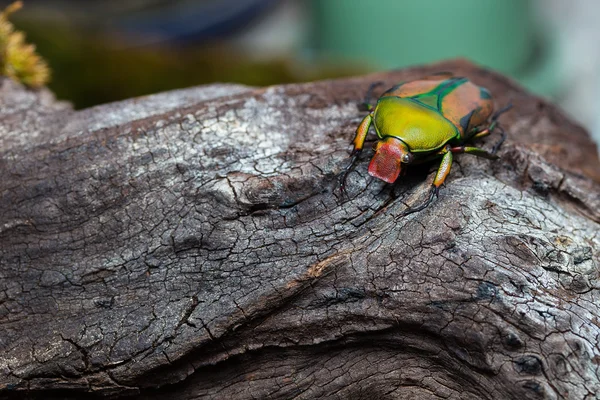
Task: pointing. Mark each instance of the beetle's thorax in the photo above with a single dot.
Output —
(420, 127)
(386, 164)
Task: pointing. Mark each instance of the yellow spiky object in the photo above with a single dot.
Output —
(18, 59)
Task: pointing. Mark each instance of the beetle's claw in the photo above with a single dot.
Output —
(500, 141)
(353, 158)
(343, 190)
(343, 178)
(433, 193)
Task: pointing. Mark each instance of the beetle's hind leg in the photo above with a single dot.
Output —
(501, 111)
(500, 141)
(493, 125)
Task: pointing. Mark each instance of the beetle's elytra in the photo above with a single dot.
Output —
(425, 119)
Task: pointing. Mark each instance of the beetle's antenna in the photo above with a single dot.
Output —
(367, 100)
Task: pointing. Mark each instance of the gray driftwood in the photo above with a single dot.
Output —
(194, 244)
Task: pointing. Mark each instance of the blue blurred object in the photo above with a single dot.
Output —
(182, 21)
(156, 21)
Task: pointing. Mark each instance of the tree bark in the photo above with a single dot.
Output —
(195, 244)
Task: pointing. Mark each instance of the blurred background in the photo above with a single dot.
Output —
(107, 50)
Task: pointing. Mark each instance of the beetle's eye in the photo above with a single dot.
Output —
(407, 158)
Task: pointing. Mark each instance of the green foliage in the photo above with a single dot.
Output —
(18, 59)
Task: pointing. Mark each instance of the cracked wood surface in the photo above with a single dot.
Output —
(194, 244)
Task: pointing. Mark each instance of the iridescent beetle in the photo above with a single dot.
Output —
(421, 120)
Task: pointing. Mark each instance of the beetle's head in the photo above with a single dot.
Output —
(390, 153)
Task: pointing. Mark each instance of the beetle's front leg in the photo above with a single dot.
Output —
(358, 142)
(361, 133)
(439, 179)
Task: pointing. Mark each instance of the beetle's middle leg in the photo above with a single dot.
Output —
(476, 151)
(358, 142)
(439, 179)
(444, 170)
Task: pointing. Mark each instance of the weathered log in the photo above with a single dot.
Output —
(194, 244)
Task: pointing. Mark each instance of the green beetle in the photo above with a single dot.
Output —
(425, 119)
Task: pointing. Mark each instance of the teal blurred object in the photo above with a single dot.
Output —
(389, 34)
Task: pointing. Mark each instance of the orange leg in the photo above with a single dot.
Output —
(439, 179)
(361, 133)
(444, 168)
